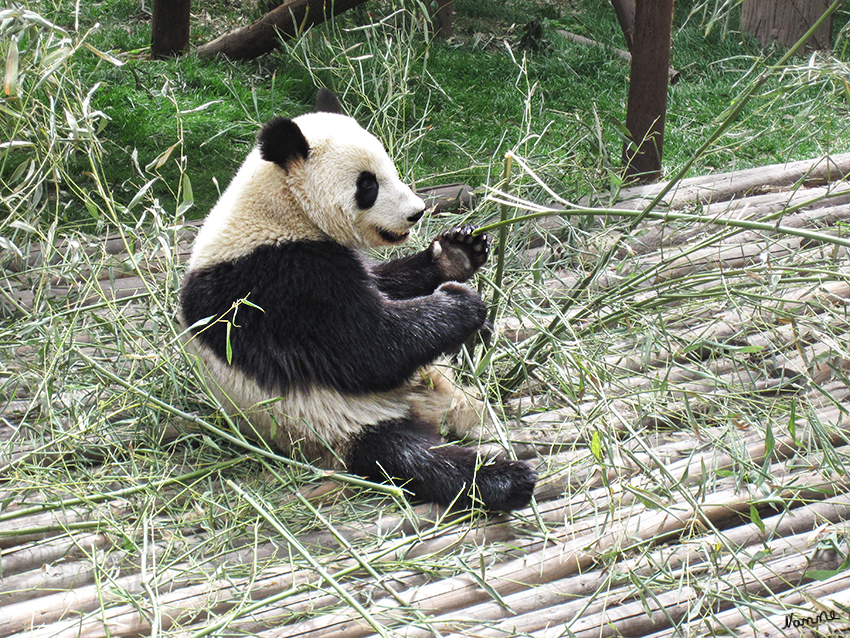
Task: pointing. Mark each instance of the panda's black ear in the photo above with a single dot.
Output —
(282, 142)
(327, 102)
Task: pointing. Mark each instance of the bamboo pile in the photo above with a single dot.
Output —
(697, 489)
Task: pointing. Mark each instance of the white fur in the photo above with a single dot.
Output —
(256, 208)
(313, 200)
(320, 423)
(339, 151)
(312, 422)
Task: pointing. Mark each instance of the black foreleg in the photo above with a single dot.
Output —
(411, 453)
(454, 255)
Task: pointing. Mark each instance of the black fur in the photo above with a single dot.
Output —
(420, 274)
(324, 320)
(282, 142)
(411, 453)
(327, 102)
(416, 275)
(367, 190)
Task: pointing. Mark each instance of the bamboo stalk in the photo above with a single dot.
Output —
(545, 572)
(723, 187)
(34, 555)
(52, 578)
(538, 603)
(669, 608)
(769, 618)
(569, 556)
(52, 609)
(39, 526)
(821, 609)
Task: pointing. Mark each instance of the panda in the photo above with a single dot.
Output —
(323, 354)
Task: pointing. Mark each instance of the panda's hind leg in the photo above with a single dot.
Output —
(411, 453)
(435, 397)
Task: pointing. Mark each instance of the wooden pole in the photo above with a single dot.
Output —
(169, 28)
(263, 35)
(647, 106)
(444, 18)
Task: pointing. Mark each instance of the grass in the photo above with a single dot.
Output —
(675, 388)
(474, 86)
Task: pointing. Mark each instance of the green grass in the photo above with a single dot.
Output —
(477, 96)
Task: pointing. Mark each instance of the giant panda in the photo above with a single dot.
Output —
(323, 354)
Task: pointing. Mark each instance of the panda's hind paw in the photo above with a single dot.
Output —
(504, 485)
(460, 252)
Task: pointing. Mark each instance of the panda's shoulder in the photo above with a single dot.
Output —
(274, 276)
(305, 264)
(325, 253)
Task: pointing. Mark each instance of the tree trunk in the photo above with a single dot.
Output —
(264, 35)
(647, 107)
(444, 18)
(785, 21)
(169, 28)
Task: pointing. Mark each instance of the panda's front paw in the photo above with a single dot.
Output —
(459, 253)
(473, 311)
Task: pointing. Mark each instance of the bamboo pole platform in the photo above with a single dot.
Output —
(695, 485)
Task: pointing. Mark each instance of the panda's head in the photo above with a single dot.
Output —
(341, 176)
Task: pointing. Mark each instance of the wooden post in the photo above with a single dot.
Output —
(169, 28)
(647, 106)
(444, 19)
(785, 21)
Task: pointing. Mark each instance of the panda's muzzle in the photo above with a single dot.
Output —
(416, 216)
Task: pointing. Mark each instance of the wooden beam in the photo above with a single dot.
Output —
(625, 10)
(264, 35)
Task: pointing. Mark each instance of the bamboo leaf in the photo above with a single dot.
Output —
(792, 423)
(103, 55)
(158, 163)
(769, 444)
(823, 574)
(140, 193)
(10, 83)
(188, 197)
(228, 344)
(596, 446)
(755, 517)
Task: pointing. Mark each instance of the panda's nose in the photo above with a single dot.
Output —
(416, 216)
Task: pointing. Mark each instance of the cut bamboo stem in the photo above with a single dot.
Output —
(725, 186)
(536, 603)
(568, 556)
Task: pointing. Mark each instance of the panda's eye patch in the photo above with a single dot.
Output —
(367, 189)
